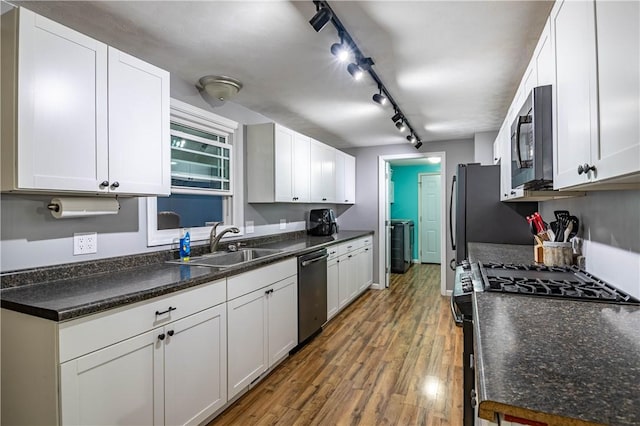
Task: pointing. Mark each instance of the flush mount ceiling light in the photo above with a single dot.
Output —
(220, 87)
(379, 98)
(321, 18)
(434, 160)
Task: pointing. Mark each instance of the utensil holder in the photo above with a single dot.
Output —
(557, 254)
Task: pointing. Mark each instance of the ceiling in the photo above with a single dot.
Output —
(452, 66)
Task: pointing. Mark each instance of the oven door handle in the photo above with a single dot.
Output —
(457, 316)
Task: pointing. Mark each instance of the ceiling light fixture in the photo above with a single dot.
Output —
(321, 18)
(418, 145)
(340, 50)
(355, 71)
(412, 138)
(220, 87)
(324, 15)
(379, 98)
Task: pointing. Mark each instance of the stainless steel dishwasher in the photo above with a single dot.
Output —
(312, 294)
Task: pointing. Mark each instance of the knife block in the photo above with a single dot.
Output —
(557, 254)
(538, 253)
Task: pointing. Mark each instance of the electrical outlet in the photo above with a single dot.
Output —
(283, 223)
(248, 227)
(85, 243)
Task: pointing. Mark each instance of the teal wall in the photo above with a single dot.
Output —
(405, 194)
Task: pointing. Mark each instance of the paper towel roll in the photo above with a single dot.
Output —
(68, 207)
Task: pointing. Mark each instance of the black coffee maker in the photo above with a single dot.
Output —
(322, 222)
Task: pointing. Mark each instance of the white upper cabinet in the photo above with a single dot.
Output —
(323, 173)
(345, 178)
(83, 118)
(597, 93)
(284, 166)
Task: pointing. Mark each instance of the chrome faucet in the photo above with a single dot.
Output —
(214, 238)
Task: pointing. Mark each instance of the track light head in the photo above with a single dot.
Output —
(412, 138)
(418, 145)
(401, 126)
(320, 19)
(340, 51)
(355, 71)
(379, 98)
(397, 117)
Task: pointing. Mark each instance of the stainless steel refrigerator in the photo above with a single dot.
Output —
(476, 213)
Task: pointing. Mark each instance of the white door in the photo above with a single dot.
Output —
(282, 319)
(139, 144)
(121, 384)
(246, 340)
(62, 113)
(196, 365)
(429, 223)
(387, 221)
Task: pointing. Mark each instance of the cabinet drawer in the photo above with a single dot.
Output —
(366, 241)
(347, 247)
(332, 251)
(242, 284)
(84, 335)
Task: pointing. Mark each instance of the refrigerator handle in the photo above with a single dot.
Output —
(453, 239)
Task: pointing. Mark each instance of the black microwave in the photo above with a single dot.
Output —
(532, 142)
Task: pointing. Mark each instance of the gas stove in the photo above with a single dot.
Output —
(530, 280)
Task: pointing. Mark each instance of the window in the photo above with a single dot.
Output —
(202, 169)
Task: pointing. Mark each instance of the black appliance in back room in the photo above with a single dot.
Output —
(476, 213)
(402, 243)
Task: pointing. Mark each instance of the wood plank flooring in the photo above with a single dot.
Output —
(392, 357)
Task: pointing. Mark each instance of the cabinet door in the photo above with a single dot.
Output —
(367, 267)
(195, 365)
(345, 275)
(333, 301)
(282, 318)
(340, 174)
(247, 340)
(301, 163)
(316, 172)
(618, 49)
(62, 113)
(544, 60)
(323, 176)
(139, 145)
(121, 384)
(575, 97)
(284, 172)
(349, 179)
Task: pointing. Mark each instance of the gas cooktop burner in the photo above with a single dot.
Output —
(550, 281)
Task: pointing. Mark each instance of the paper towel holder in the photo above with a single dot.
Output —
(84, 206)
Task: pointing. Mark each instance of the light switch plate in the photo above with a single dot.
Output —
(248, 227)
(85, 243)
(283, 223)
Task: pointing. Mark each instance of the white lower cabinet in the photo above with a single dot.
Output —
(354, 268)
(144, 380)
(333, 298)
(262, 324)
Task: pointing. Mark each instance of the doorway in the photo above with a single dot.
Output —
(384, 211)
(429, 223)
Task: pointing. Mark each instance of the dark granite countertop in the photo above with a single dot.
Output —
(500, 253)
(64, 296)
(555, 361)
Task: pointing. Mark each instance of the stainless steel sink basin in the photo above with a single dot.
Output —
(228, 259)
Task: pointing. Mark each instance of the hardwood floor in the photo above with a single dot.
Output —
(392, 357)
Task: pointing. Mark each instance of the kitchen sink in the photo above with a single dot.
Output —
(232, 258)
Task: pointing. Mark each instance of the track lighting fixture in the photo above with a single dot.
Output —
(355, 71)
(340, 50)
(361, 65)
(379, 98)
(321, 18)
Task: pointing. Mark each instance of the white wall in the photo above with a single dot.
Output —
(364, 214)
(610, 226)
(483, 147)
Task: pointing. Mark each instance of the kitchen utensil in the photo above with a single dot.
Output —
(575, 226)
(567, 231)
(561, 213)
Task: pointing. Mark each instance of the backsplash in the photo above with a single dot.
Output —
(610, 227)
